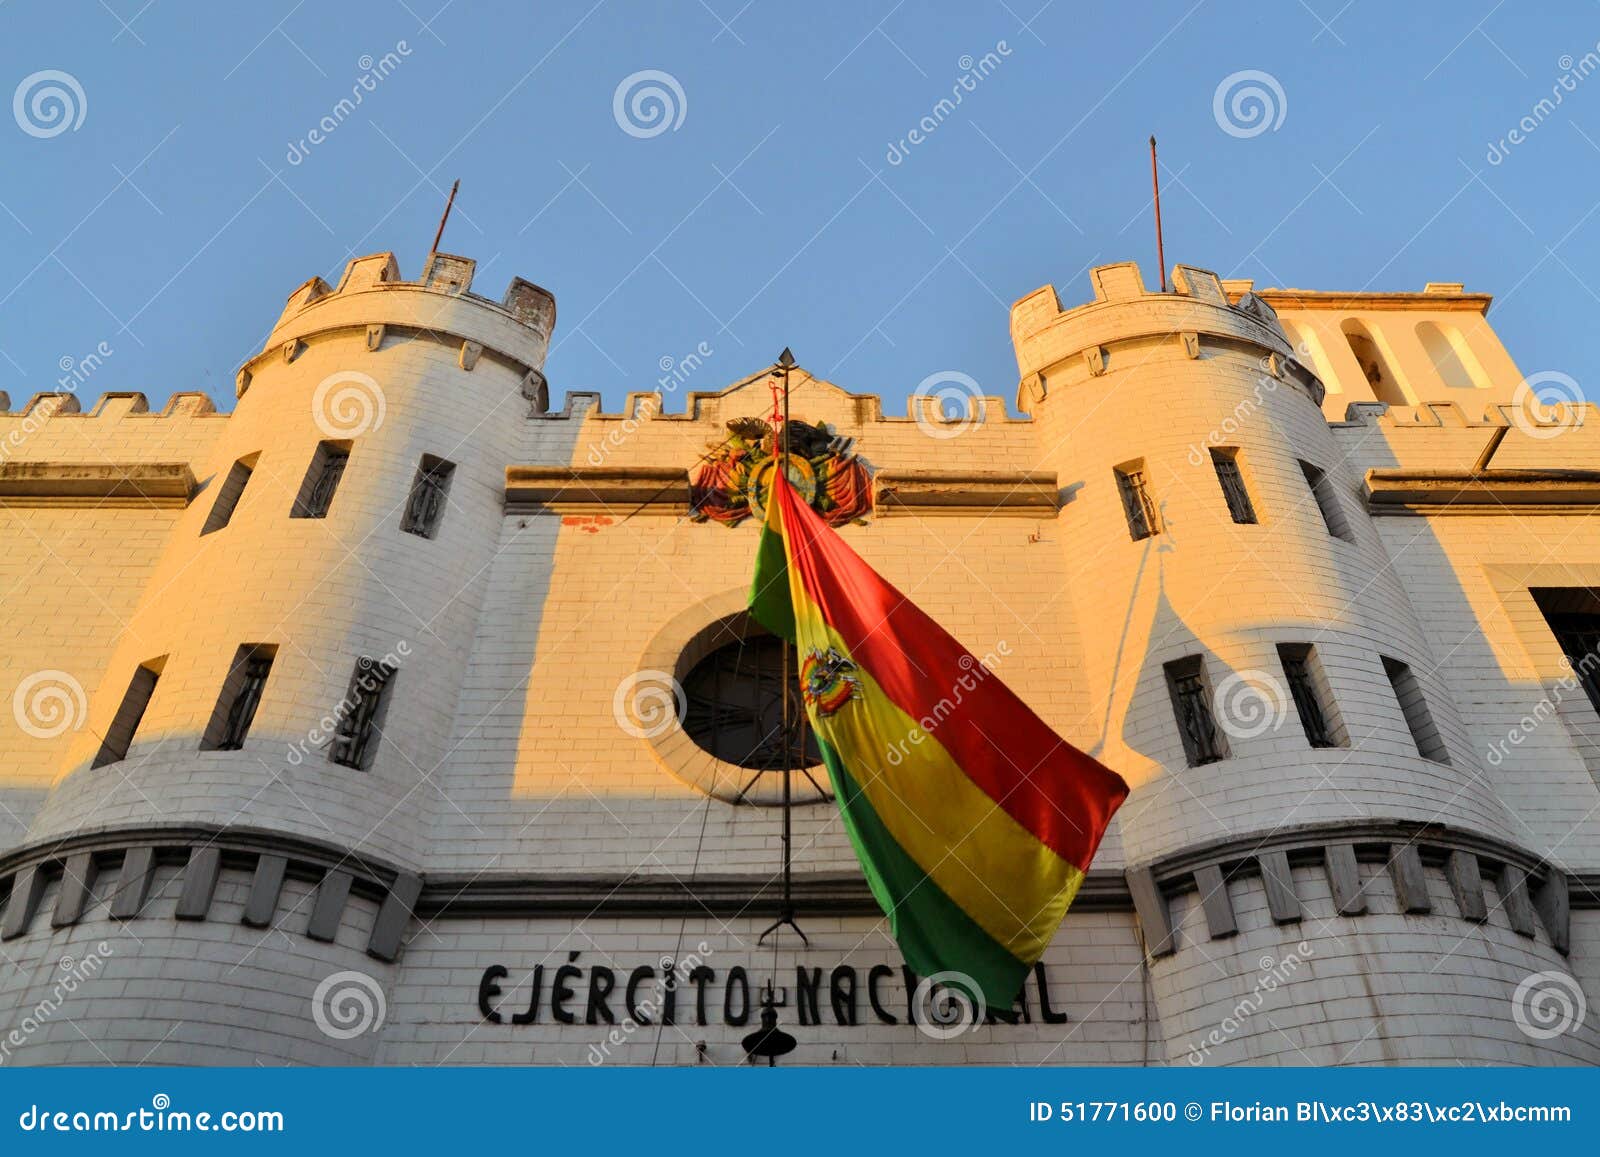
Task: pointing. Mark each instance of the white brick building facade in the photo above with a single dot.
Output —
(189, 874)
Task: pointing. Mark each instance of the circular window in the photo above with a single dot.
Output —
(736, 710)
(730, 741)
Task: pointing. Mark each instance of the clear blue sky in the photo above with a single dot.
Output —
(170, 223)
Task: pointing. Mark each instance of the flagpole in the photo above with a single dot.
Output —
(780, 477)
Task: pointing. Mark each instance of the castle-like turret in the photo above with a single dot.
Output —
(293, 665)
(1266, 685)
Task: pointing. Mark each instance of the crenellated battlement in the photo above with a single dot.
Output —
(114, 405)
(375, 303)
(1061, 347)
(925, 407)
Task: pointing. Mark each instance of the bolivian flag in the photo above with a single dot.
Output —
(973, 821)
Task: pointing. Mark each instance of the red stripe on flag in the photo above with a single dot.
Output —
(1061, 795)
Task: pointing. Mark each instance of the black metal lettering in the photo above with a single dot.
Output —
(738, 982)
(700, 976)
(810, 981)
(874, 975)
(1050, 1015)
(842, 994)
(561, 990)
(642, 973)
(487, 988)
(532, 1014)
(601, 981)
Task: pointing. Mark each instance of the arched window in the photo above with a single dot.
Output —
(1451, 358)
(1385, 385)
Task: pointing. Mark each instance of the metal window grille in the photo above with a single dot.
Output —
(359, 729)
(1233, 489)
(425, 505)
(252, 682)
(1136, 503)
(1304, 693)
(1198, 725)
(734, 706)
(327, 472)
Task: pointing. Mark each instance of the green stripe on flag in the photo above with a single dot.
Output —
(769, 590)
(934, 933)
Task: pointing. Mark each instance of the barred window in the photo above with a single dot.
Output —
(1313, 700)
(426, 503)
(361, 714)
(1191, 700)
(1231, 477)
(241, 695)
(1137, 504)
(321, 480)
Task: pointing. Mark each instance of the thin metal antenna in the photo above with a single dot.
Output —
(447, 206)
(1155, 183)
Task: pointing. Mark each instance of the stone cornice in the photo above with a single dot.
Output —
(1392, 491)
(163, 484)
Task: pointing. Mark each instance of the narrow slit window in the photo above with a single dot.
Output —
(1143, 521)
(1327, 498)
(241, 695)
(429, 490)
(321, 480)
(1408, 691)
(362, 714)
(125, 724)
(229, 493)
(1234, 491)
(1313, 698)
(1203, 741)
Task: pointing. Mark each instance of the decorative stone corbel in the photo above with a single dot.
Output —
(292, 349)
(1095, 358)
(470, 352)
(536, 390)
(374, 337)
(1191, 345)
